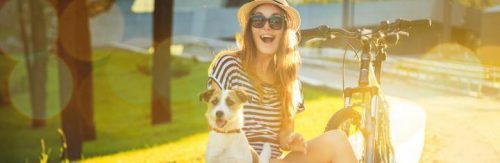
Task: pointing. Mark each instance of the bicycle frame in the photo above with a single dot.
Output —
(368, 87)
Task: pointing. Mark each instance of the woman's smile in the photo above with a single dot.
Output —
(267, 38)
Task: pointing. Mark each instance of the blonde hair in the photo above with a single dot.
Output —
(285, 64)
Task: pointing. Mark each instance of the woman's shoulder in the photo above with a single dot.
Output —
(227, 56)
(225, 59)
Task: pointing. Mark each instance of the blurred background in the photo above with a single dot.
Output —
(118, 80)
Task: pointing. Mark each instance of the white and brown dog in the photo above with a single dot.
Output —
(227, 142)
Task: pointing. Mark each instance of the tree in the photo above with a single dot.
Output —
(479, 4)
(347, 13)
(447, 15)
(162, 34)
(35, 55)
(73, 47)
(37, 63)
(6, 66)
(328, 1)
(96, 7)
(235, 3)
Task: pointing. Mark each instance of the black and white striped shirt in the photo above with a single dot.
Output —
(262, 120)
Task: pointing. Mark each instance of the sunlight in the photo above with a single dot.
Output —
(143, 6)
(489, 55)
(187, 149)
(452, 68)
(176, 49)
(407, 135)
(19, 89)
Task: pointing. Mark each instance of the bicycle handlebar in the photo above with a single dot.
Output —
(414, 23)
(324, 31)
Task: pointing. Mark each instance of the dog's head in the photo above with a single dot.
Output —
(224, 106)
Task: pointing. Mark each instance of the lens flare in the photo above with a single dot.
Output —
(19, 89)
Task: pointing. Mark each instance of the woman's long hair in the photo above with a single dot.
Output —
(285, 65)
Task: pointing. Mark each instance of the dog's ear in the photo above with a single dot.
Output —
(241, 94)
(205, 96)
(214, 85)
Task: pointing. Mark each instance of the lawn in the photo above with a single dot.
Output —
(122, 90)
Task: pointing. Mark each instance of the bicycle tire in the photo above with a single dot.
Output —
(347, 120)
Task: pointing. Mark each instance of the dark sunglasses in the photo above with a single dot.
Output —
(275, 22)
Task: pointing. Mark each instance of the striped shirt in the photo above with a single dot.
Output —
(262, 121)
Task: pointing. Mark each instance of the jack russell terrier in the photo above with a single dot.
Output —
(227, 143)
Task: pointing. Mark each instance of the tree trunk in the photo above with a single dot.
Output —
(37, 63)
(24, 35)
(74, 50)
(6, 67)
(447, 16)
(345, 13)
(162, 33)
(34, 60)
(2, 2)
(235, 3)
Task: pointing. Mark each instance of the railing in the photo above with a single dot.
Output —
(463, 78)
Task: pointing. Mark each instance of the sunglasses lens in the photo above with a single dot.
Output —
(258, 21)
(276, 22)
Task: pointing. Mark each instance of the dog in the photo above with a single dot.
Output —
(227, 142)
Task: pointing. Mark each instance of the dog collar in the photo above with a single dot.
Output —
(223, 131)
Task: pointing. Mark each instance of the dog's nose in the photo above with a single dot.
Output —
(219, 114)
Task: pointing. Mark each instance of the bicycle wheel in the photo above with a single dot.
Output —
(348, 121)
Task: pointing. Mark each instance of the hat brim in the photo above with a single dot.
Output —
(293, 15)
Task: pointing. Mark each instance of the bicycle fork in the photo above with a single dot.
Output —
(368, 124)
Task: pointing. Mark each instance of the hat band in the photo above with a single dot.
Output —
(278, 2)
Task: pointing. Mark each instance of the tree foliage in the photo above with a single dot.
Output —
(95, 7)
(479, 4)
(295, 2)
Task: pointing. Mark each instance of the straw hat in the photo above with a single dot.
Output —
(292, 14)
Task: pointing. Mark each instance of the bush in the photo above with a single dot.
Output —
(181, 67)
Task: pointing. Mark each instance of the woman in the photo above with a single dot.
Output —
(265, 66)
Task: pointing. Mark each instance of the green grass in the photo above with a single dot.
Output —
(122, 117)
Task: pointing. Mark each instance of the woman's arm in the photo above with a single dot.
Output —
(292, 141)
(284, 137)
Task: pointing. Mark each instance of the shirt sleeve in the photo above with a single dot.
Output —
(223, 72)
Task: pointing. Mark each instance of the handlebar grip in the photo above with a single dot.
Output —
(421, 23)
(317, 32)
(404, 24)
(312, 32)
(340, 32)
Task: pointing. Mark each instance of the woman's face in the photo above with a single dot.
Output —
(266, 38)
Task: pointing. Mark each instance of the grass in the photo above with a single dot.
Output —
(122, 117)
(320, 106)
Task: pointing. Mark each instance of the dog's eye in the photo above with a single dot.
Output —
(229, 102)
(214, 102)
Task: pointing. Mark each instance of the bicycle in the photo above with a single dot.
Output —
(365, 117)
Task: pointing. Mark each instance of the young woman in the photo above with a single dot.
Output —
(265, 66)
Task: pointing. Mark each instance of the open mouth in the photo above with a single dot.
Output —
(220, 122)
(267, 38)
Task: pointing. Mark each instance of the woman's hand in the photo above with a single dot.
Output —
(297, 143)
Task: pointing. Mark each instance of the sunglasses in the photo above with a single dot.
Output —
(275, 22)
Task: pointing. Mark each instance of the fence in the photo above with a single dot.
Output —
(463, 78)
